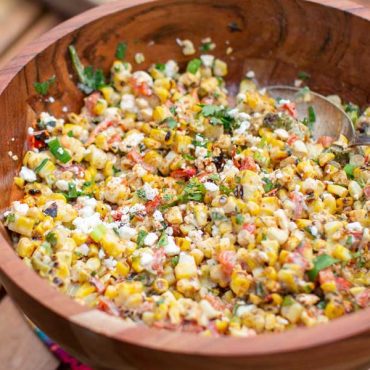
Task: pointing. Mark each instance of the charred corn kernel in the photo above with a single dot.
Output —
(25, 247)
(355, 190)
(183, 243)
(332, 227)
(19, 182)
(240, 283)
(221, 326)
(186, 267)
(100, 106)
(85, 290)
(341, 191)
(47, 169)
(111, 292)
(162, 93)
(174, 215)
(329, 287)
(277, 299)
(342, 253)
(201, 215)
(153, 158)
(292, 312)
(123, 268)
(22, 225)
(303, 223)
(188, 287)
(101, 141)
(160, 285)
(90, 174)
(160, 113)
(334, 310)
(181, 143)
(112, 245)
(219, 68)
(269, 205)
(255, 299)
(324, 158)
(198, 255)
(330, 204)
(151, 143)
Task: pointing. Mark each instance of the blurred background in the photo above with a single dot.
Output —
(23, 20)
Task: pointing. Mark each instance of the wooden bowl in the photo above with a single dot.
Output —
(276, 38)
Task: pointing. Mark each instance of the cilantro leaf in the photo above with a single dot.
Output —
(320, 263)
(163, 240)
(42, 88)
(194, 65)
(90, 79)
(141, 237)
(268, 185)
(51, 238)
(141, 194)
(348, 169)
(121, 50)
(304, 76)
(160, 66)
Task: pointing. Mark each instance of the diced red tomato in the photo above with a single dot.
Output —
(183, 174)
(141, 88)
(100, 287)
(290, 109)
(325, 141)
(342, 284)
(159, 258)
(326, 276)
(299, 203)
(216, 302)
(292, 138)
(362, 299)
(152, 205)
(108, 306)
(367, 191)
(114, 139)
(135, 156)
(250, 228)
(227, 259)
(248, 164)
(99, 128)
(33, 140)
(116, 215)
(91, 101)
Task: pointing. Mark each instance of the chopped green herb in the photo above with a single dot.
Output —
(206, 46)
(140, 238)
(216, 216)
(304, 76)
(58, 151)
(353, 111)
(311, 118)
(320, 263)
(51, 238)
(98, 233)
(160, 66)
(43, 87)
(173, 109)
(89, 78)
(218, 116)
(268, 185)
(288, 301)
(225, 190)
(214, 177)
(348, 169)
(321, 305)
(193, 66)
(10, 217)
(141, 194)
(121, 50)
(239, 219)
(303, 92)
(70, 133)
(188, 157)
(41, 165)
(174, 260)
(171, 122)
(163, 240)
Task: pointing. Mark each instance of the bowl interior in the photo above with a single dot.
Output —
(274, 38)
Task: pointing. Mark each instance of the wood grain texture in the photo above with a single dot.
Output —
(329, 39)
(20, 349)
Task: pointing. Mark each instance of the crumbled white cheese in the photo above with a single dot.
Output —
(150, 239)
(250, 74)
(128, 103)
(244, 126)
(21, 208)
(207, 60)
(354, 226)
(210, 186)
(171, 249)
(299, 147)
(83, 249)
(142, 77)
(87, 224)
(157, 215)
(62, 185)
(150, 193)
(101, 254)
(146, 260)
(242, 310)
(139, 58)
(281, 133)
(126, 232)
(110, 263)
(27, 174)
(171, 68)
(137, 208)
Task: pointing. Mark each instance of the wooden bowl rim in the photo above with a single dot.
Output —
(101, 323)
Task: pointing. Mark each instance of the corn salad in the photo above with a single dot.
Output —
(166, 202)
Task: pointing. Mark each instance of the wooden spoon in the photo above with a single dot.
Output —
(330, 120)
